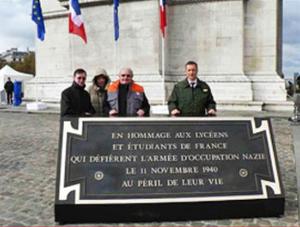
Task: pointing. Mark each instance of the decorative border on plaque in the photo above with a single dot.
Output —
(68, 129)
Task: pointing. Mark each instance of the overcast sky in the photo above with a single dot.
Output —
(17, 30)
(291, 37)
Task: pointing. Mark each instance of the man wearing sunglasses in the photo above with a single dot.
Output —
(75, 101)
(126, 98)
(191, 96)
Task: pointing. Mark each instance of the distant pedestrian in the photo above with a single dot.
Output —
(75, 101)
(9, 89)
(289, 86)
(98, 93)
(297, 85)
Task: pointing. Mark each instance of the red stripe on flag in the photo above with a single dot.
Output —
(163, 20)
(80, 31)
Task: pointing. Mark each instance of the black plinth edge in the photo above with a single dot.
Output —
(67, 213)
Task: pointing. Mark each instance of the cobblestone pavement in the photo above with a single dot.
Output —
(28, 152)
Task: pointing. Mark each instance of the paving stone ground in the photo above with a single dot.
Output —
(28, 153)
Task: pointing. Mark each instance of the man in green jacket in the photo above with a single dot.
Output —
(191, 96)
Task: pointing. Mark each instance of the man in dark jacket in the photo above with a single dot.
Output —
(75, 101)
(191, 96)
(9, 88)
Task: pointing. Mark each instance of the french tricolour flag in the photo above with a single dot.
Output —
(163, 16)
(75, 20)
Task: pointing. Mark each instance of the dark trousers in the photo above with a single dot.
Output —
(9, 97)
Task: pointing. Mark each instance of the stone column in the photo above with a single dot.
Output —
(263, 51)
(212, 34)
(53, 65)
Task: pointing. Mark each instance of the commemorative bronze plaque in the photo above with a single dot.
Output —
(166, 169)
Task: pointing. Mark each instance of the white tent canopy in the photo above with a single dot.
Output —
(8, 71)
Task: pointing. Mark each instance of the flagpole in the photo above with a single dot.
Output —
(71, 53)
(116, 58)
(35, 84)
(163, 24)
(35, 79)
(116, 33)
(163, 69)
(37, 17)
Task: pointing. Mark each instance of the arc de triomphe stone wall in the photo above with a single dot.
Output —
(237, 44)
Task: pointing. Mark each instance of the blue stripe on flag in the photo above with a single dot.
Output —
(116, 19)
(37, 17)
(76, 7)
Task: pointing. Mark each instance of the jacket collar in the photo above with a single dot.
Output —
(187, 84)
(75, 85)
(114, 86)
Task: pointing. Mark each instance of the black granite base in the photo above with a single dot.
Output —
(169, 211)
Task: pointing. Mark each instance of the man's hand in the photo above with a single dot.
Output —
(113, 112)
(211, 112)
(175, 112)
(140, 113)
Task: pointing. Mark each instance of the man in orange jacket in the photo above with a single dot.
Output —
(126, 98)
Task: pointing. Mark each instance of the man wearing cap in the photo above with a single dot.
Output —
(126, 98)
(98, 93)
(191, 96)
(75, 101)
